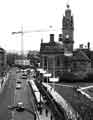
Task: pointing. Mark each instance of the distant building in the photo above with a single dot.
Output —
(81, 64)
(58, 57)
(2, 58)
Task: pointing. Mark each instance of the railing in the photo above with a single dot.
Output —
(35, 101)
(57, 110)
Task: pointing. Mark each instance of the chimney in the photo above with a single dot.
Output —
(60, 38)
(51, 37)
(41, 40)
(88, 44)
(81, 46)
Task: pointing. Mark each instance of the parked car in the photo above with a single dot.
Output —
(19, 82)
(24, 77)
(18, 86)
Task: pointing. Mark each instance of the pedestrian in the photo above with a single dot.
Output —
(46, 112)
(40, 108)
(2, 82)
(51, 117)
(35, 117)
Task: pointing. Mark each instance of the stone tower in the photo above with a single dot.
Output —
(68, 29)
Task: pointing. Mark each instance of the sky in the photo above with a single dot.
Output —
(36, 15)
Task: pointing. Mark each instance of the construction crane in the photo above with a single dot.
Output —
(22, 32)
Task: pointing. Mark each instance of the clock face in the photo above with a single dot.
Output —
(67, 36)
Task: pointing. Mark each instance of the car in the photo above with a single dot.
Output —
(18, 70)
(20, 107)
(20, 104)
(19, 82)
(24, 77)
(18, 86)
(24, 74)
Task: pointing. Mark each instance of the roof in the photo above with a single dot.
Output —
(79, 55)
(53, 47)
(2, 50)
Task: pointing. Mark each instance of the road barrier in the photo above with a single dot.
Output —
(58, 112)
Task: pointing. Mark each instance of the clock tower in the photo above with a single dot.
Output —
(68, 29)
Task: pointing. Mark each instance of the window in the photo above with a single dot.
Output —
(45, 61)
(57, 73)
(57, 61)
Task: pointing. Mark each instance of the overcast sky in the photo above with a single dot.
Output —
(40, 14)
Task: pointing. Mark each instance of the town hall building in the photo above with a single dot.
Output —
(58, 57)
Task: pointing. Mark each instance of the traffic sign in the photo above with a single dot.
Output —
(53, 79)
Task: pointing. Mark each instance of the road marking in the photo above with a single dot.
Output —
(84, 92)
(83, 88)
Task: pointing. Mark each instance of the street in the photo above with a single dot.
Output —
(17, 90)
(12, 95)
(7, 96)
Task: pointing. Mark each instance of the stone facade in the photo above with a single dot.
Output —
(51, 55)
(2, 58)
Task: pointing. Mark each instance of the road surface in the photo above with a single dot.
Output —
(7, 95)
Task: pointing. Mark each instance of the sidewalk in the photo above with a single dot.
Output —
(71, 113)
(46, 113)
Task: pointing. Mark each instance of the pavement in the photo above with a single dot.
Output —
(71, 113)
(46, 111)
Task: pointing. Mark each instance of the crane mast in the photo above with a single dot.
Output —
(22, 32)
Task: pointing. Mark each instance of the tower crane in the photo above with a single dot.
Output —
(22, 32)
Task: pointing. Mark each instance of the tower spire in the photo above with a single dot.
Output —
(68, 3)
(68, 29)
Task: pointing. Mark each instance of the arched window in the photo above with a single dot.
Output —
(58, 61)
